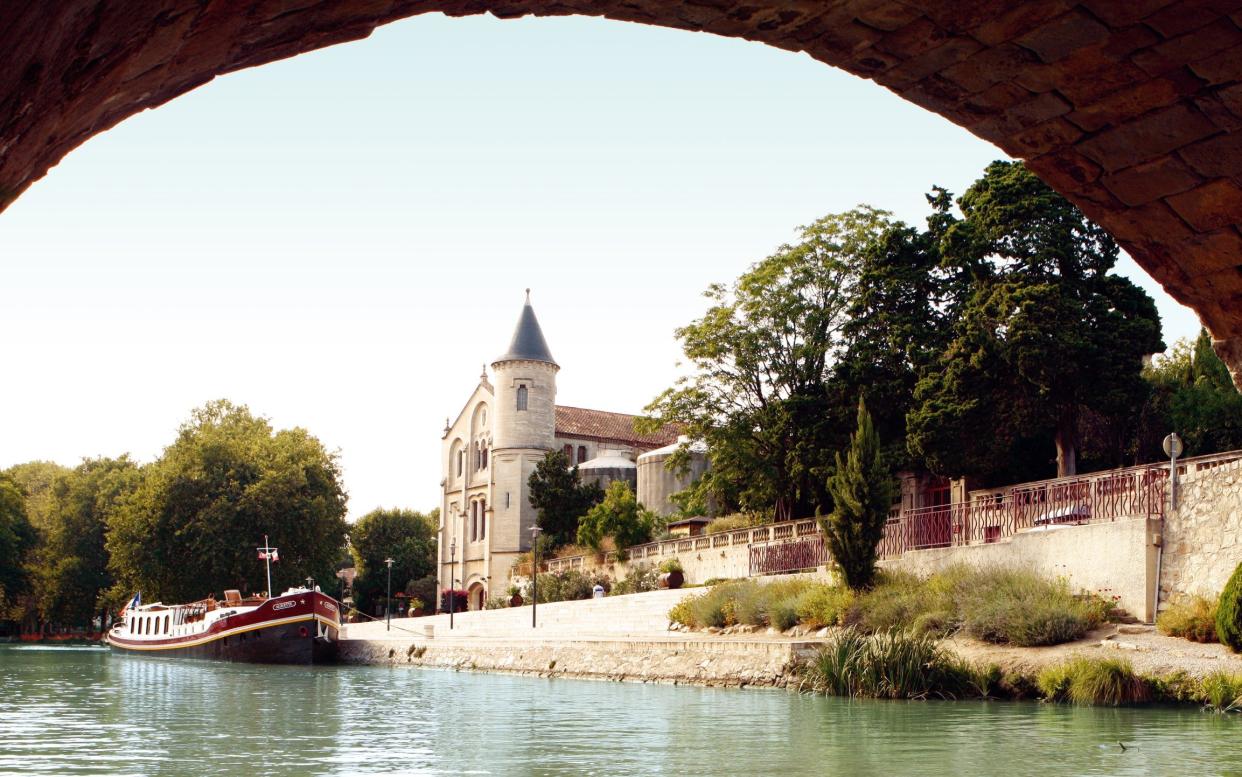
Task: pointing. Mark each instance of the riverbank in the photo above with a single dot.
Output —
(744, 658)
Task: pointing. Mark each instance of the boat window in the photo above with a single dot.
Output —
(165, 624)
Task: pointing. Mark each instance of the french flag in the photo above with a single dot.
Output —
(132, 604)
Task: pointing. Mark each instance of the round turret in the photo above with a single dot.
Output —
(611, 464)
(656, 484)
(525, 388)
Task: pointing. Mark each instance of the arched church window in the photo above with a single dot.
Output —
(484, 457)
(521, 398)
(474, 521)
(482, 519)
(581, 453)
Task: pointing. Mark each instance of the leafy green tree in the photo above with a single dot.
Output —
(761, 356)
(862, 492)
(1193, 395)
(405, 536)
(561, 498)
(72, 575)
(1046, 332)
(619, 516)
(17, 539)
(192, 525)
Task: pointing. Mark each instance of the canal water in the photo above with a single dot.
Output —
(77, 711)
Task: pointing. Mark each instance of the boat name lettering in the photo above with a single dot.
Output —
(283, 605)
(329, 606)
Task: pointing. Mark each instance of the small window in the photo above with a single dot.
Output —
(165, 624)
(484, 457)
(581, 454)
(569, 453)
(521, 398)
(483, 520)
(461, 462)
(506, 500)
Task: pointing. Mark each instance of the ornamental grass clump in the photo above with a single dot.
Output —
(893, 664)
(745, 602)
(1221, 692)
(1193, 619)
(1100, 681)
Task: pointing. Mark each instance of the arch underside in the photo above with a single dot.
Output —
(1130, 108)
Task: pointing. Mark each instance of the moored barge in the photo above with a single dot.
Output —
(301, 626)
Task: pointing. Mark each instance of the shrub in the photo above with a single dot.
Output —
(1193, 619)
(736, 521)
(1019, 607)
(823, 605)
(563, 586)
(670, 565)
(1108, 681)
(901, 599)
(893, 664)
(640, 578)
(1229, 612)
(496, 603)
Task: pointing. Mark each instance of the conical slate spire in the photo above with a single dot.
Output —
(528, 343)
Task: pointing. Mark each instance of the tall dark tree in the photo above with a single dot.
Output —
(192, 525)
(17, 539)
(405, 536)
(862, 492)
(561, 498)
(897, 325)
(1047, 331)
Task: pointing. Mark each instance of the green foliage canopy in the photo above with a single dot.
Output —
(192, 525)
(1045, 332)
(560, 497)
(17, 538)
(761, 356)
(71, 567)
(405, 536)
(618, 516)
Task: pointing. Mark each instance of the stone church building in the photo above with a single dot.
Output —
(507, 426)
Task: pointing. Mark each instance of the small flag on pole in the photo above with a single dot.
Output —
(132, 604)
(271, 555)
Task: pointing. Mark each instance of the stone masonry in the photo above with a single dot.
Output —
(1130, 108)
(1203, 536)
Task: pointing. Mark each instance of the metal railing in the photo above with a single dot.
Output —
(989, 515)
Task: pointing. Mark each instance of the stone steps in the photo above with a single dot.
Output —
(631, 615)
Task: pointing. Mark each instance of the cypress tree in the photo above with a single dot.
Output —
(862, 489)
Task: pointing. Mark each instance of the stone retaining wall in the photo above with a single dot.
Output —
(1203, 536)
(696, 661)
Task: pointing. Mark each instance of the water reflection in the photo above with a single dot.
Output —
(85, 712)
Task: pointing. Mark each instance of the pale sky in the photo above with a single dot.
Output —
(341, 240)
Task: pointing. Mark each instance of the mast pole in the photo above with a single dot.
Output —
(267, 557)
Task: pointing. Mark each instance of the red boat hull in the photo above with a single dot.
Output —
(295, 629)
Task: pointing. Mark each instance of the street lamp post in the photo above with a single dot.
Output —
(534, 574)
(452, 580)
(388, 601)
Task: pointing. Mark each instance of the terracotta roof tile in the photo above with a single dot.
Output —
(603, 426)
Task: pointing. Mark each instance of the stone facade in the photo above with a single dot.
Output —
(1203, 536)
(507, 426)
(1130, 108)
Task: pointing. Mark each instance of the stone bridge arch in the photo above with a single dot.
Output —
(1130, 108)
